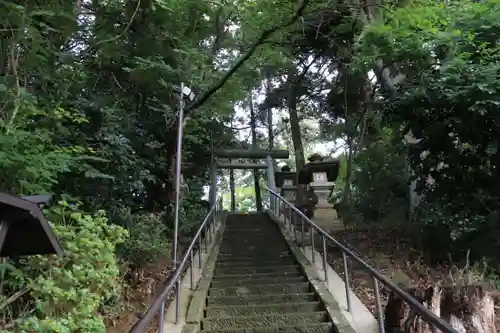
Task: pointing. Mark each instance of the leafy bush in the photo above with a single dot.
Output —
(380, 185)
(191, 215)
(68, 292)
(148, 239)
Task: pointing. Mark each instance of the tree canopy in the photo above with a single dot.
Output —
(89, 103)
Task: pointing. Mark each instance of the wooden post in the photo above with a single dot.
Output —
(271, 182)
(213, 186)
(232, 189)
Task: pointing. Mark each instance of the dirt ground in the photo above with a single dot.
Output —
(390, 253)
(138, 293)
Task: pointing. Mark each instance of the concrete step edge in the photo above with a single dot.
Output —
(261, 266)
(276, 305)
(263, 262)
(222, 277)
(230, 259)
(289, 314)
(262, 296)
(261, 249)
(277, 320)
(261, 309)
(303, 283)
(259, 281)
(328, 328)
(276, 265)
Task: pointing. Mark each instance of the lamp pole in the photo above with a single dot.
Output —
(178, 162)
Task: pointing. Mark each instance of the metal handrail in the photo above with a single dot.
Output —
(416, 306)
(157, 307)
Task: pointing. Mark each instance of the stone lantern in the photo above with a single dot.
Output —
(322, 175)
(286, 181)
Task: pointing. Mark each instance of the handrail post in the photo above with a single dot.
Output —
(346, 281)
(426, 315)
(191, 273)
(157, 308)
(380, 312)
(177, 300)
(302, 232)
(325, 260)
(313, 256)
(200, 251)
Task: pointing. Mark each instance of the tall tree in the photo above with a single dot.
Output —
(256, 175)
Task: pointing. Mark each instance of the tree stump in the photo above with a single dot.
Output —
(468, 309)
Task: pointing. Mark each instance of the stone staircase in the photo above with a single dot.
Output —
(258, 286)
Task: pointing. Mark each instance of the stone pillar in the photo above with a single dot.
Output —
(322, 188)
(288, 191)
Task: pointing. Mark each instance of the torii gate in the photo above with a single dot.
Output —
(260, 154)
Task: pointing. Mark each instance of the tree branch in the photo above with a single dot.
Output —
(220, 29)
(264, 35)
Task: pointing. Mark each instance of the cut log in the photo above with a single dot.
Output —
(468, 309)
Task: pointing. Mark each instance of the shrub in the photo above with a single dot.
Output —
(68, 291)
(380, 184)
(148, 239)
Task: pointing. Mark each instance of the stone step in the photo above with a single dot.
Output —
(261, 299)
(257, 243)
(257, 281)
(250, 276)
(311, 328)
(253, 261)
(292, 288)
(261, 229)
(256, 269)
(254, 230)
(248, 224)
(252, 241)
(252, 255)
(252, 265)
(231, 251)
(227, 253)
(288, 319)
(267, 309)
(251, 228)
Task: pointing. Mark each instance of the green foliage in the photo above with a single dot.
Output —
(192, 213)
(29, 164)
(69, 291)
(88, 106)
(449, 54)
(380, 192)
(148, 239)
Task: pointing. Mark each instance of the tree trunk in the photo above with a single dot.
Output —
(253, 125)
(294, 120)
(468, 309)
(232, 185)
(347, 188)
(270, 118)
